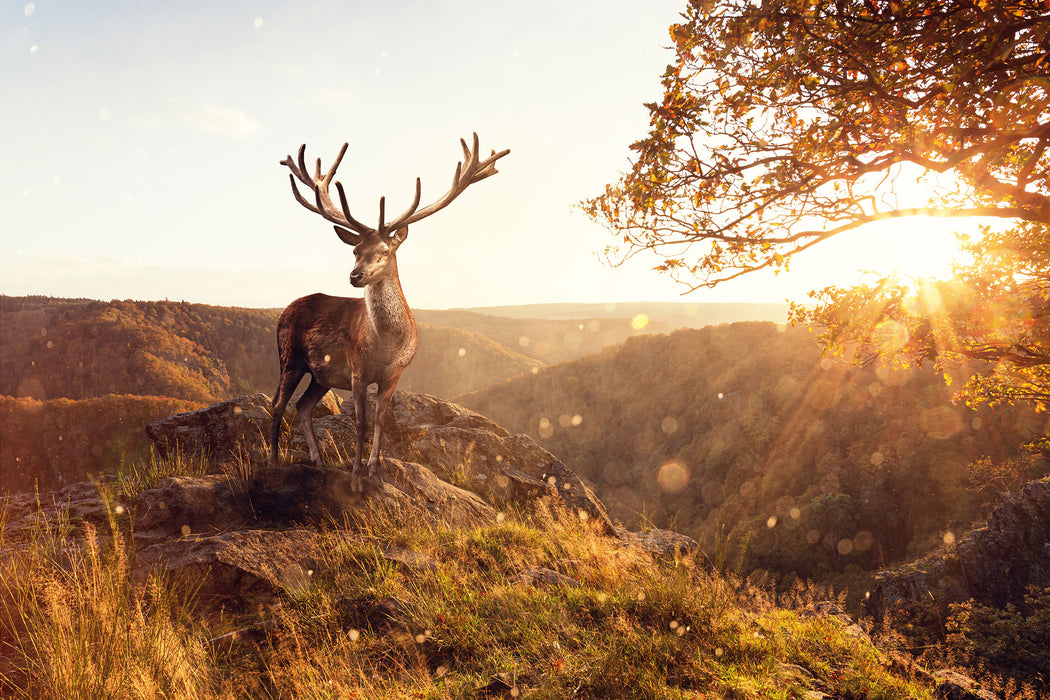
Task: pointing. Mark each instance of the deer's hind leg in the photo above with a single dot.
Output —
(290, 379)
(305, 409)
(360, 393)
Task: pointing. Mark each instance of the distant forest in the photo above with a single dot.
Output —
(745, 436)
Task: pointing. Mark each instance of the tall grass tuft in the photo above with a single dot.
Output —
(143, 474)
(74, 624)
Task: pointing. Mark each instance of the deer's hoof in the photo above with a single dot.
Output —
(357, 484)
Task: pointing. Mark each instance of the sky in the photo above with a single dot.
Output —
(141, 144)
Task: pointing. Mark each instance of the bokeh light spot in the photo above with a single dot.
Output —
(672, 477)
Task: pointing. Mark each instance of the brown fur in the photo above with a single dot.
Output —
(347, 343)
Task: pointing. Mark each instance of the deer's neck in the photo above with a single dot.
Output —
(387, 308)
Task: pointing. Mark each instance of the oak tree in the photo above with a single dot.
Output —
(784, 123)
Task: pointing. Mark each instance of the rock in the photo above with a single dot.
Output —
(992, 565)
(72, 507)
(227, 432)
(464, 448)
(237, 565)
(477, 454)
(298, 493)
(955, 686)
(244, 565)
(661, 543)
(303, 492)
(185, 505)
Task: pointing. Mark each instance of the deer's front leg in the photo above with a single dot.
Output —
(383, 396)
(360, 392)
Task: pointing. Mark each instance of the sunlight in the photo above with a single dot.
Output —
(910, 248)
(915, 247)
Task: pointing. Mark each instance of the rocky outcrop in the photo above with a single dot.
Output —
(245, 564)
(461, 447)
(298, 494)
(992, 565)
(245, 532)
(224, 432)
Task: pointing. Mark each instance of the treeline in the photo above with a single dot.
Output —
(450, 361)
(47, 444)
(78, 348)
(81, 349)
(547, 340)
(744, 435)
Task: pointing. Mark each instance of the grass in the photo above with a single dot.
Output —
(143, 474)
(75, 623)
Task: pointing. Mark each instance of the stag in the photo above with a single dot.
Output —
(352, 343)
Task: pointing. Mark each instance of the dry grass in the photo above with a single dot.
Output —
(77, 625)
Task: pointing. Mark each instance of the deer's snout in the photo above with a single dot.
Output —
(357, 278)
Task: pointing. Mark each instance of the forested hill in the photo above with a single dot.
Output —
(79, 349)
(745, 433)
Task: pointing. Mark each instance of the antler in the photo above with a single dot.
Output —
(469, 171)
(319, 185)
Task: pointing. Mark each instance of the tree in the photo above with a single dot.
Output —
(787, 122)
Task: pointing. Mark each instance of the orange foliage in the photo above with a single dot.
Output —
(47, 444)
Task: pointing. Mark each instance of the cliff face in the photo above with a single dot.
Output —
(992, 565)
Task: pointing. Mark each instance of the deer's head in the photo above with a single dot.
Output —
(375, 248)
(374, 255)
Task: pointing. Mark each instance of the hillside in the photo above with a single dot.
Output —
(450, 359)
(546, 340)
(745, 434)
(78, 349)
(222, 582)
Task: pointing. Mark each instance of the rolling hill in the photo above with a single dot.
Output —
(744, 433)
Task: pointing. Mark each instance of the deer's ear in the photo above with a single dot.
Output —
(400, 235)
(347, 236)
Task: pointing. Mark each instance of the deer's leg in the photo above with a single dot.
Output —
(285, 386)
(360, 391)
(305, 409)
(383, 396)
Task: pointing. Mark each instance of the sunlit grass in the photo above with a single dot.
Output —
(74, 624)
(142, 474)
(457, 621)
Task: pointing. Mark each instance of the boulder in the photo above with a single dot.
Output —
(225, 432)
(71, 507)
(245, 565)
(298, 493)
(992, 565)
(660, 543)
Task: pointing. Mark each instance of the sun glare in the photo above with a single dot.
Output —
(911, 248)
(919, 247)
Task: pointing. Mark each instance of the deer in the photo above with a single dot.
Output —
(352, 343)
